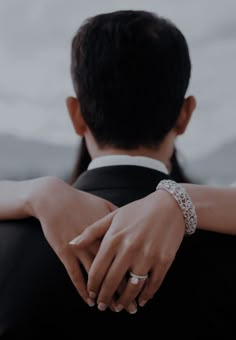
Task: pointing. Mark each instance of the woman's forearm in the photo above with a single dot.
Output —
(15, 198)
(49, 198)
(215, 207)
(19, 198)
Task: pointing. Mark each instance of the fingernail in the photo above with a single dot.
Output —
(102, 306)
(142, 303)
(119, 308)
(92, 294)
(132, 309)
(90, 302)
(76, 240)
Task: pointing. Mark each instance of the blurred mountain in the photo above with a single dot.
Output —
(218, 167)
(25, 159)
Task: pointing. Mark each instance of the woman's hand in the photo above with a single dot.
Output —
(142, 237)
(64, 213)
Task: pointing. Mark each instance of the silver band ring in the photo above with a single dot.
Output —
(134, 278)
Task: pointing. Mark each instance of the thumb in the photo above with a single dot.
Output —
(93, 232)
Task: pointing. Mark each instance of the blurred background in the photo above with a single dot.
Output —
(36, 136)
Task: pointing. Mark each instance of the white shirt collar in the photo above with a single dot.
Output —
(112, 160)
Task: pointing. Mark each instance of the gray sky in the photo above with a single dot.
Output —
(35, 41)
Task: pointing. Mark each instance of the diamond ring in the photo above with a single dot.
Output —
(134, 278)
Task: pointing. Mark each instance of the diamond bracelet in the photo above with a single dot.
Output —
(184, 202)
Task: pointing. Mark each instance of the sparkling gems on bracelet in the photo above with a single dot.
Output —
(184, 202)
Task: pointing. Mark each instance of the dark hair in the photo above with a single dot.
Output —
(82, 161)
(130, 71)
(177, 173)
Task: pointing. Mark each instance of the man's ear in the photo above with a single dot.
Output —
(73, 107)
(186, 111)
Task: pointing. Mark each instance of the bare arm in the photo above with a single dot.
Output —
(216, 207)
(156, 224)
(14, 199)
(63, 212)
(61, 219)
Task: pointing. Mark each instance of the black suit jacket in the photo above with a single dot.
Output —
(197, 298)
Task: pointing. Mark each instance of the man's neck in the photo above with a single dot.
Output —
(161, 153)
(137, 152)
(127, 160)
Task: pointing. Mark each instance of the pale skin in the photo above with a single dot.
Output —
(148, 217)
(144, 221)
(61, 219)
(157, 226)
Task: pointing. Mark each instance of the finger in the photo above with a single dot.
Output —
(128, 297)
(85, 258)
(74, 271)
(117, 295)
(112, 206)
(132, 308)
(112, 281)
(86, 261)
(99, 268)
(133, 288)
(153, 284)
(121, 287)
(93, 232)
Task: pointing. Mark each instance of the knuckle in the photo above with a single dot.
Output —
(165, 259)
(114, 240)
(131, 245)
(110, 241)
(122, 240)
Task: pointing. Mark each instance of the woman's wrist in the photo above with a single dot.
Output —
(38, 193)
(181, 196)
(16, 199)
(167, 208)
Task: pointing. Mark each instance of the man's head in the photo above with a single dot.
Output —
(130, 71)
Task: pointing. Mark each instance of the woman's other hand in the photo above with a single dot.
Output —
(64, 212)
